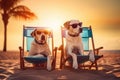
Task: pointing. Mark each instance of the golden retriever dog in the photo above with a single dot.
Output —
(39, 46)
(74, 40)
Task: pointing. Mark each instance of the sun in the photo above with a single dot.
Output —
(53, 23)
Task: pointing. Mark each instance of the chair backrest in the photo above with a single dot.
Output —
(86, 36)
(27, 38)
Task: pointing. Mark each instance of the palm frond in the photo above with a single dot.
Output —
(8, 4)
(19, 8)
(0, 4)
(24, 15)
(22, 11)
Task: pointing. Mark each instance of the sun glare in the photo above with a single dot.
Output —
(53, 23)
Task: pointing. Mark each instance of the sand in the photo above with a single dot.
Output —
(109, 69)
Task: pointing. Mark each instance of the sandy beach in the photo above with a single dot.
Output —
(109, 69)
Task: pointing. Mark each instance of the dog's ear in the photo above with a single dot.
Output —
(67, 24)
(33, 33)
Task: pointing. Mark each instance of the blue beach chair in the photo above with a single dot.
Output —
(87, 38)
(24, 50)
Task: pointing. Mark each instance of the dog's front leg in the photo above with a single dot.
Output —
(75, 63)
(74, 57)
(81, 49)
(49, 63)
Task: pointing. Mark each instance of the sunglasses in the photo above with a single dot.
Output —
(39, 32)
(75, 25)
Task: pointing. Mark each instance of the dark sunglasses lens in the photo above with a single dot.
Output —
(74, 25)
(79, 24)
(38, 32)
(45, 32)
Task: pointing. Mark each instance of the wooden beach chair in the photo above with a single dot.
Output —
(83, 60)
(24, 50)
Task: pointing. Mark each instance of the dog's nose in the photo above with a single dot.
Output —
(42, 37)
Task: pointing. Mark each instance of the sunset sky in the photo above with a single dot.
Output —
(102, 15)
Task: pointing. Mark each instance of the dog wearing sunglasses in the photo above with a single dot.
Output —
(74, 44)
(39, 46)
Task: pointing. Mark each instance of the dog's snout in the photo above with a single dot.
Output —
(42, 37)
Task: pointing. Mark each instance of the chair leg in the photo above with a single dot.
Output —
(22, 64)
(54, 60)
(61, 62)
(91, 66)
(96, 66)
(53, 64)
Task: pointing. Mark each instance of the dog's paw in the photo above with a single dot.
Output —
(49, 68)
(75, 66)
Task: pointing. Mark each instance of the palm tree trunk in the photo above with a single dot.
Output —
(5, 38)
(5, 18)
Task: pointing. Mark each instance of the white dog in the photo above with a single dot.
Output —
(74, 40)
(39, 46)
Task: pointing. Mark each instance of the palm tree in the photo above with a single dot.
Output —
(10, 8)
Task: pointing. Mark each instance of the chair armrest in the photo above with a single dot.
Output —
(55, 49)
(21, 51)
(60, 47)
(97, 50)
(20, 48)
